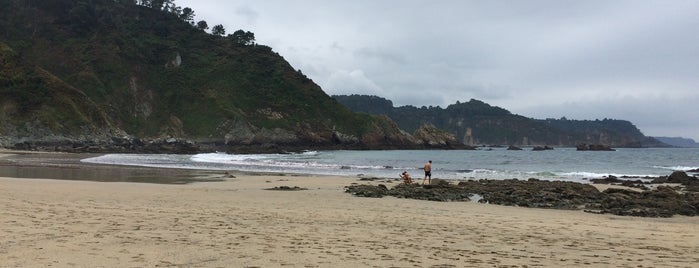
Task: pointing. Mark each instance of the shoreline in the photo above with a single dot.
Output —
(236, 222)
(456, 171)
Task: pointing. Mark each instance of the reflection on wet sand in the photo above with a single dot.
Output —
(62, 166)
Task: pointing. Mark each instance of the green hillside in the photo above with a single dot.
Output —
(37, 103)
(149, 72)
(497, 126)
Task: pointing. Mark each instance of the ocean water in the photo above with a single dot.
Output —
(491, 163)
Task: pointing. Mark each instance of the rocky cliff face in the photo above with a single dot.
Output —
(431, 136)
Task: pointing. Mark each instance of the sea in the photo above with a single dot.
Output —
(566, 164)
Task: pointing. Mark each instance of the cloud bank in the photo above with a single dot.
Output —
(632, 60)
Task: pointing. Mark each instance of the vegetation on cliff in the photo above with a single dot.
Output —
(145, 69)
(36, 102)
(497, 126)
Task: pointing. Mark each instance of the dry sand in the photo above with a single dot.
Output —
(236, 223)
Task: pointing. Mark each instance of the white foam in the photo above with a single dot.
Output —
(677, 168)
(150, 160)
(292, 161)
(483, 171)
(593, 175)
(221, 158)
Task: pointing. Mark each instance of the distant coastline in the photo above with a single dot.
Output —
(679, 142)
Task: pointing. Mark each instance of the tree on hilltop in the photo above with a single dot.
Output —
(202, 25)
(218, 30)
(187, 15)
(242, 37)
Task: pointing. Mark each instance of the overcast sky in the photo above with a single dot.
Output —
(635, 60)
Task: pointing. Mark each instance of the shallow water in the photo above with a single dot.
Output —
(493, 163)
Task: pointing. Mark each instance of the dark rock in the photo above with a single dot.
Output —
(593, 147)
(433, 192)
(367, 190)
(513, 148)
(658, 180)
(692, 187)
(22, 146)
(679, 177)
(661, 202)
(607, 180)
(412, 191)
(438, 183)
(614, 180)
(370, 179)
(542, 148)
(286, 188)
(691, 183)
(533, 193)
(635, 184)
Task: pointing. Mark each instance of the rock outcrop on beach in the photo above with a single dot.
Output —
(444, 193)
(664, 201)
(658, 201)
(533, 193)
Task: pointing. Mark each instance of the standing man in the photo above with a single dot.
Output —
(428, 173)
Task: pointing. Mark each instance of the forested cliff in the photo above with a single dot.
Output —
(122, 74)
(491, 125)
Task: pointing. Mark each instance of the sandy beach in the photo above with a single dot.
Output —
(237, 223)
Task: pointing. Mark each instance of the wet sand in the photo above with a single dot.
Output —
(237, 223)
(65, 166)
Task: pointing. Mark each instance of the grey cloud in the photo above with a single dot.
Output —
(382, 55)
(248, 13)
(354, 81)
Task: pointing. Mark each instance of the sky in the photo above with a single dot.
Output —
(634, 60)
